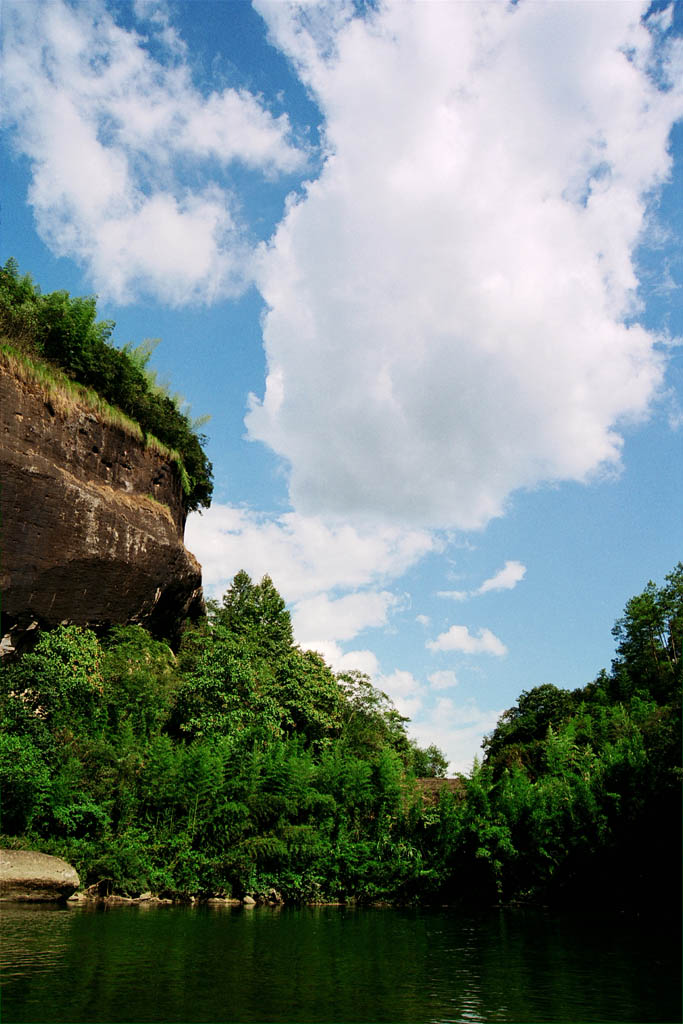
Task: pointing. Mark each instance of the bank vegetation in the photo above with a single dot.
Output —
(243, 764)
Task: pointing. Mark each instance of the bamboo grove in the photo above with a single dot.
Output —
(240, 764)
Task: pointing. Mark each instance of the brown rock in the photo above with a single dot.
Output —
(27, 875)
(431, 789)
(92, 522)
(78, 897)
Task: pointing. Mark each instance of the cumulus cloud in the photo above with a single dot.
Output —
(328, 573)
(459, 638)
(506, 578)
(457, 729)
(404, 690)
(362, 660)
(108, 127)
(304, 555)
(451, 303)
(318, 618)
(444, 680)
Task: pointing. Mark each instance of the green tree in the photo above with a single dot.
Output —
(519, 734)
(224, 691)
(649, 637)
(428, 762)
(140, 678)
(60, 681)
(307, 692)
(257, 613)
(19, 300)
(24, 783)
(370, 721)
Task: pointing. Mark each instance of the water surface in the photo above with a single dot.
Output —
(196, 964)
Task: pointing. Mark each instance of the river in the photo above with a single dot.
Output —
(175, 963)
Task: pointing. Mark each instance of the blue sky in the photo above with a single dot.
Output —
(422, 265)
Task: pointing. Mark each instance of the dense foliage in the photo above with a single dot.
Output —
(245, 764)
(64, 332)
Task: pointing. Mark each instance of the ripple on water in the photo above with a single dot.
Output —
(185, 964)
(35, 939)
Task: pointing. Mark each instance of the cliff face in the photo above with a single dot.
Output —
(92, 522)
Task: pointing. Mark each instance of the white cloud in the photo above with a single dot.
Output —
(457, 729)
(107, 127)
(444, 680)
(404, 690)
(363, 660)
(318, 618)
(399, 684)
(449, 303)
(459, 638)
(304, 555)
(506, 578)
(328, 573)
(424, 620)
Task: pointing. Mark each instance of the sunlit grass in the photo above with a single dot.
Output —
(173, 456)
(67, 397)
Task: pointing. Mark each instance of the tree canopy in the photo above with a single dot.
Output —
(244, 764)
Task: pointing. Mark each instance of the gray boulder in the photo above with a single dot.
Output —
(27, 875)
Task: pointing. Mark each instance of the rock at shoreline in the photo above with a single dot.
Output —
(27, 875)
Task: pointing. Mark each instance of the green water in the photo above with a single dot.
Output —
(331, 964)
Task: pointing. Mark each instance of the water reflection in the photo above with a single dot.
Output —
(35, 938)
(325, 964)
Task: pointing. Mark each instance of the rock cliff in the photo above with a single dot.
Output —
(92, 521)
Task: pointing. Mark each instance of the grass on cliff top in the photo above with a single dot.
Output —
(67, 396)
(172, 455)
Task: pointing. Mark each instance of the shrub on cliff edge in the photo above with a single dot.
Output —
(64, 332)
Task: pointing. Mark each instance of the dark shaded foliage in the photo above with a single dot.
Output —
(589, 782)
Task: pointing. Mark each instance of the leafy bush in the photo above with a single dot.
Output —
(24, 783)
(64, 332)
(247, 766)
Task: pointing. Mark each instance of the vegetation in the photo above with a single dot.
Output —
(56, 341)
(245, 764)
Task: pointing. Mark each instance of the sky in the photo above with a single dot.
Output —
(422, 265)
